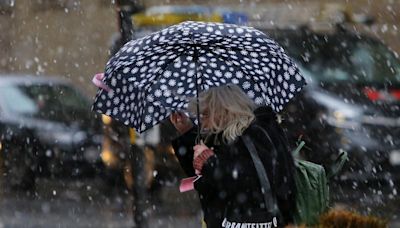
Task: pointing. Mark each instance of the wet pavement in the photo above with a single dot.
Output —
(87, 203)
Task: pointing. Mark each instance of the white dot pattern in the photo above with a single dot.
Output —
(155, 75)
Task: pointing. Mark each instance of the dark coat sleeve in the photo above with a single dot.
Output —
(215, 178)
(183, 147)
(223, 172)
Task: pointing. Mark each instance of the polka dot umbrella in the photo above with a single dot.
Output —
(151, 77)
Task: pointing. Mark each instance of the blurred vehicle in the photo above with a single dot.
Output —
(351, 103)
(46, 129)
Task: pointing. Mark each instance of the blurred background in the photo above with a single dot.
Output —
(71, 38)
(63, 165)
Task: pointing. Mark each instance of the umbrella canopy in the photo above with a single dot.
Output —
(152, 77)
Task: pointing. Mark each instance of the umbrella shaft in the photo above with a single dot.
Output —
(198, 138)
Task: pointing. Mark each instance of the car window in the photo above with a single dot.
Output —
(334, 58)
(16, 102)
(53, 102)
(375, 62)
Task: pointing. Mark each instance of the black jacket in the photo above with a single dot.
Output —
(230, 178)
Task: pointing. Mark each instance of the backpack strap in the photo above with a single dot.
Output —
(335, 168)
(296, 152)
(269, 198)
(338, 164)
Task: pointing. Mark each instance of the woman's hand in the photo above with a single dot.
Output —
(181, 122)
(198, 149)
(200, 156)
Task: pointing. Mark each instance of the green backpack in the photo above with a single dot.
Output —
(312, 181)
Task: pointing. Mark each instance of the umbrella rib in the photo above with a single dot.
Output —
(162, 68)
(238, 67)
(177, 45)
(213, 43)
(238, 49)
(267, 44)
(155, 81)
(157, 53)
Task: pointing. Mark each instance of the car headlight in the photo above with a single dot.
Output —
(341, 121)
(106, 119)
(92, 154)
(56, 137)
(109, 158)
(339, 113)
(63, 137)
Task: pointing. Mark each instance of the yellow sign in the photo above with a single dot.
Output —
(166, 19)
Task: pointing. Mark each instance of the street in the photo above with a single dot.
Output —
(93, 92)
(86, 203)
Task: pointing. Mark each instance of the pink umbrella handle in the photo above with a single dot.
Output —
(98, 81)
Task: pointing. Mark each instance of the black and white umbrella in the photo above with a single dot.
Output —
(152, 77)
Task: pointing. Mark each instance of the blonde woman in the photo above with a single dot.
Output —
(229, 184)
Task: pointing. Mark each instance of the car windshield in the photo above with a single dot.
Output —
(334, 58)
(52, 102)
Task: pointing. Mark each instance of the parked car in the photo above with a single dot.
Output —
(46, 129)
(351, 101)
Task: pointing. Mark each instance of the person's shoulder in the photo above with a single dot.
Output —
(264, 113)
(256, 128)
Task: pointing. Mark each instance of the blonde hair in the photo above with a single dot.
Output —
(230, 110)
